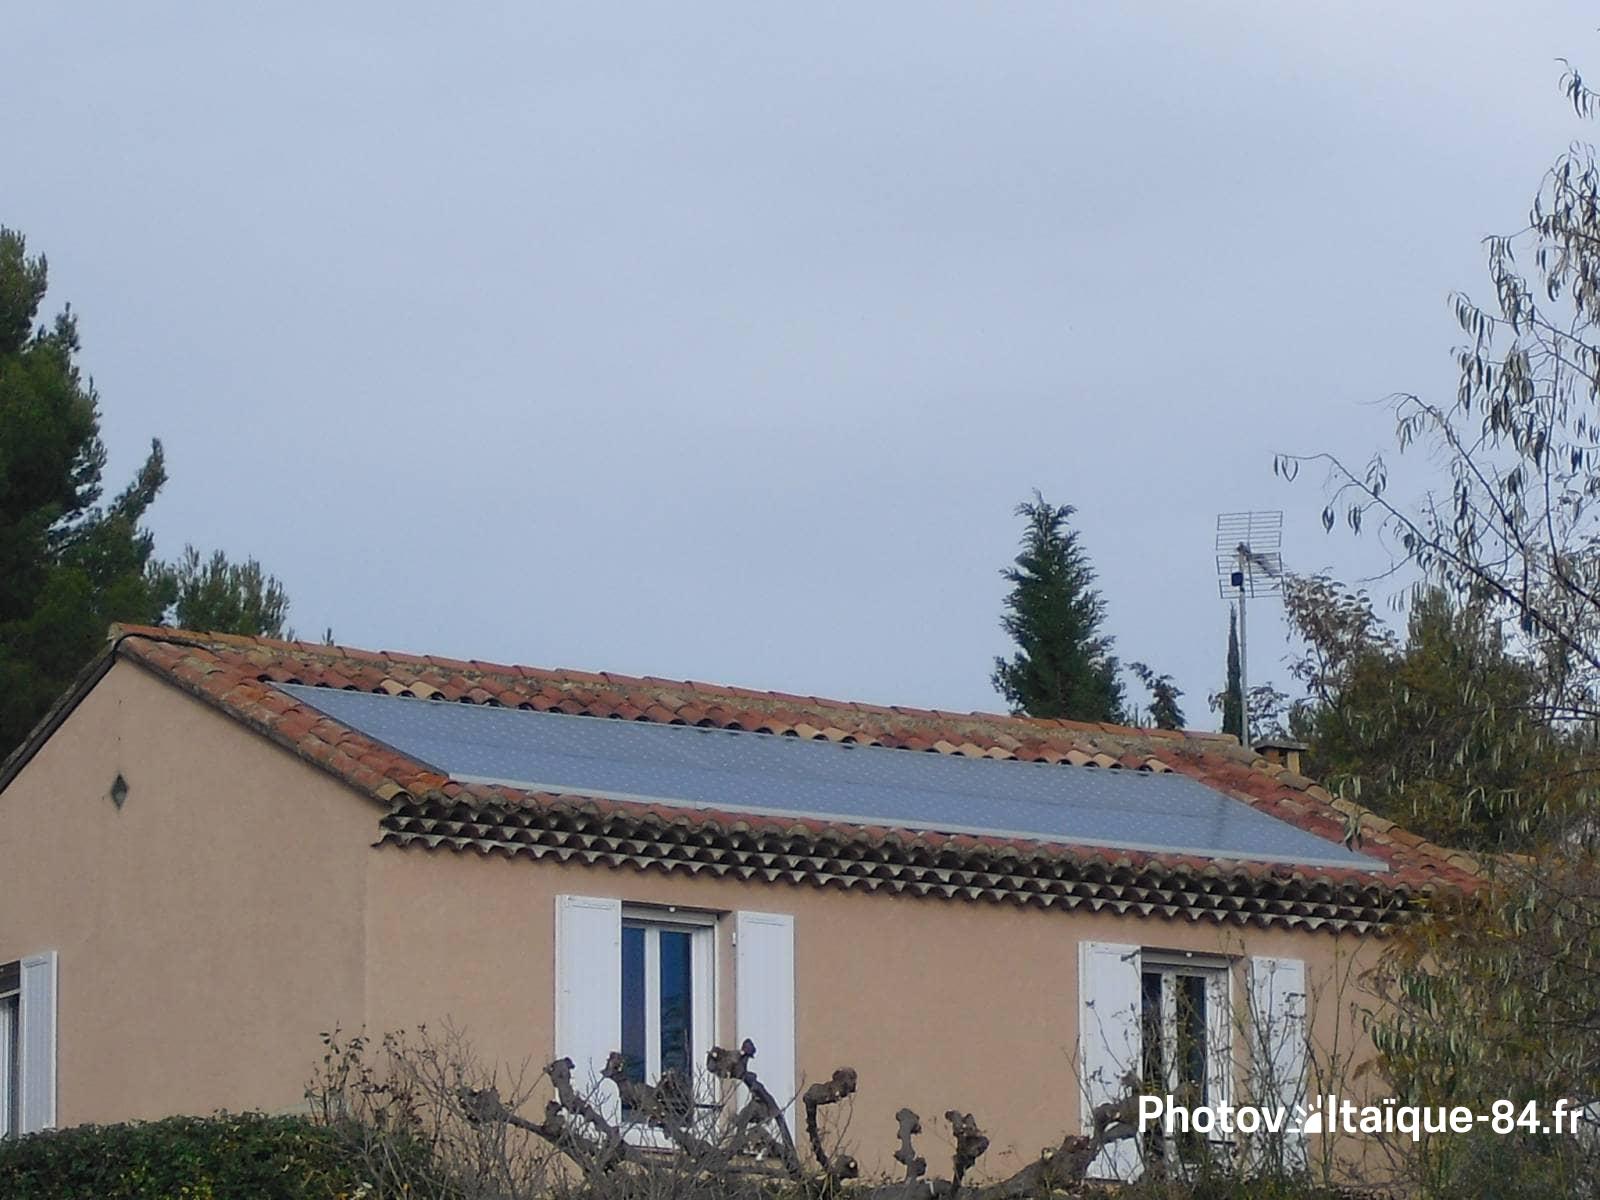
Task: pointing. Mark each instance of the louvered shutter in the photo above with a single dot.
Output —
(589, 992)
(36, 1043)
(1110, 1043)
(764, 997)
(1278, 1035)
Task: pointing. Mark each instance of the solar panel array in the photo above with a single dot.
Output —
(739, 771)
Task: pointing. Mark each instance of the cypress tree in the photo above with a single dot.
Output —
(1232, 700)
(1063, 665)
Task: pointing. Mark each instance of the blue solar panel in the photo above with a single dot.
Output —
(870, 785)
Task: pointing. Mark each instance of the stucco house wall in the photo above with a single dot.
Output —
(208, 929)
(936, 1003)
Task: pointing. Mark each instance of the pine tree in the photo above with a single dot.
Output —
(1063, 665)
(68, 564)
(1164, 710)
(221, 596)
(1232, 700)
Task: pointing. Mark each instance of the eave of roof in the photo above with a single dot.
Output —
(237, 675)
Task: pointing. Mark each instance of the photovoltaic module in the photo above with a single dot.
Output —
(769, 774)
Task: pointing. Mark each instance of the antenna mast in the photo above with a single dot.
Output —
(1249, 563)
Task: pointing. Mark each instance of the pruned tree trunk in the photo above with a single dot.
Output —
(758, 1132)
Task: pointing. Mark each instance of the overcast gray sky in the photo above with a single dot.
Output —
(713, 341)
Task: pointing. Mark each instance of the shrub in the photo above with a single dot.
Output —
(247, 1156)
(394, 1106)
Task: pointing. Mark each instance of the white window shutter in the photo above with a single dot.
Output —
(763, 966)
(36, 1043)
(1220, 1028)
(1110, 1043)
(1279, 1044)
(589, 992)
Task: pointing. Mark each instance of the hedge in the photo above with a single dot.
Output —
(248, 1156)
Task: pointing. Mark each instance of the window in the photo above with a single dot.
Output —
(28, 1044)
(641, 980)
(1165, 1021)
(10, 1083)
(666, 1001)
(1186, 1037)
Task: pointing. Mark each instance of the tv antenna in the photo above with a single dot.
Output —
(1249, 564)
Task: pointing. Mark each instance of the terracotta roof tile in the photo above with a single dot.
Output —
(235, 674)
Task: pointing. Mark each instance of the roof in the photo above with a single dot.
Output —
(240, 676)
(843, 782)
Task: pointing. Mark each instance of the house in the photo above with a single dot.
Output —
(215, 847)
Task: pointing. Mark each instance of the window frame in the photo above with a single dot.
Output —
(10, 1048)
(704, 927)
(1217, 973)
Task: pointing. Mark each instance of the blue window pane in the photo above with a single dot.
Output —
(633, 1001)
(677, 1002)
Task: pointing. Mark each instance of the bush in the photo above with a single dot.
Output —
(225, 1157)
(1242, 1187)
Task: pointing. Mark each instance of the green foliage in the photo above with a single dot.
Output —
(1479, 727)
(224, 1157)
(1513, 523)
(1063, 665)
(1495, 1001)
(397, 1106)
(217, 595)
(1233, 689)
(1164, 711)
(1519, 1166)
(1225, 1185)
(1447, 732)
(69, 565)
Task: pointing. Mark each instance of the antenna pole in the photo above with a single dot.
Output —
(1249, 563)
(1244, 661)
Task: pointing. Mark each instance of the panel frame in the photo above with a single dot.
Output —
(635, 762)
